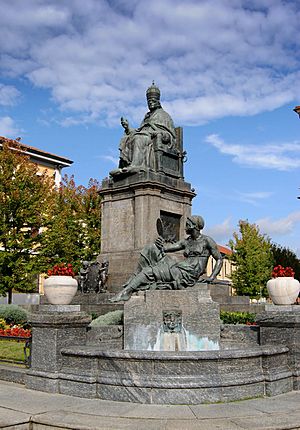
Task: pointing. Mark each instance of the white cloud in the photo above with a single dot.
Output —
(281, 156)
(211, 59)
(114, 160)
(8, 128)
(254, 197)
(8, 95)
(281, 226)
(279, 230)
(221, 232)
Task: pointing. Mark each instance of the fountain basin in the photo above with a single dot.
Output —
(174, 377)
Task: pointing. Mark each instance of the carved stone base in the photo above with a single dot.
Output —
(130, 209)
(53, 328)
(168, 320)
(280, 325)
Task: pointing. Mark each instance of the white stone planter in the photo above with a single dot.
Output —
(283, 290)
(60, 290)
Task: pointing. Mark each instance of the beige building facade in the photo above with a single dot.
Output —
(227, 267)
(52, 163)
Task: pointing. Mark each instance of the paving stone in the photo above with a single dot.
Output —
(227, 410)
(270, 421)
(202, 425)
(63, 419)
(182, 412)
(279, 404)
(11, 417)
(57, 411)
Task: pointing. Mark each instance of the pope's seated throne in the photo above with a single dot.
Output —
(169, 158)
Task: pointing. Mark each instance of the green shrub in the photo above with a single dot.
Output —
(111, 318)
(13, 314)
(237, 317)
(94, 315)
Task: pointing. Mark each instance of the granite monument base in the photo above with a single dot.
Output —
(172, 320)
(63, 362)
(130, 209)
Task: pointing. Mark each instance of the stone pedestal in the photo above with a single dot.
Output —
(280, 325)
(130, 208)
(168, 320)
(53, 328)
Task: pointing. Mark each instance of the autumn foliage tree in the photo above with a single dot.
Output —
(73, 232)
(253, 260)
(25, 201)
(90, 219)
(41, 225)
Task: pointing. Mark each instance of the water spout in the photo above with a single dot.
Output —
(182, 341)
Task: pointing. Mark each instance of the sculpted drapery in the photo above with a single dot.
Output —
(156, 270)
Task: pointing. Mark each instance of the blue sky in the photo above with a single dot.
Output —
(228, 71)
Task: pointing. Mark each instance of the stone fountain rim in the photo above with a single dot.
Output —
(97, 352)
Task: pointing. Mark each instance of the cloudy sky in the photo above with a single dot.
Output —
(228, 71)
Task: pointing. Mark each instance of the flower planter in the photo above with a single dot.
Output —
(60, 290)
(283, 290)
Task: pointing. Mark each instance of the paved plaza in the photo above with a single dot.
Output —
(23, 409)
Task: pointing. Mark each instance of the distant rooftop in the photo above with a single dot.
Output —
(224, 250)
(37, 153)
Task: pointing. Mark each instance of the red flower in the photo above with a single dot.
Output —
(280, 271)
(15, 331)
(61, 269)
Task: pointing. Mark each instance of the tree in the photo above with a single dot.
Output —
(91, 219)
(25, 198)
(286, 258)
(61, 236)
(253, 260)
(73, 232)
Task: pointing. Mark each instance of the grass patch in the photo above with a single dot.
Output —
(12, 350)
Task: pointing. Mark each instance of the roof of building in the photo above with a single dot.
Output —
(224, 250)
(38, 153)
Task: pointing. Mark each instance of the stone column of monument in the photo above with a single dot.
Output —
(148, 185)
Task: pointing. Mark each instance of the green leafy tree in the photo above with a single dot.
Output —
(73, 231)
(286, 258)
(91, 219)
(25, 198)
(61, 238)
(253, 260)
